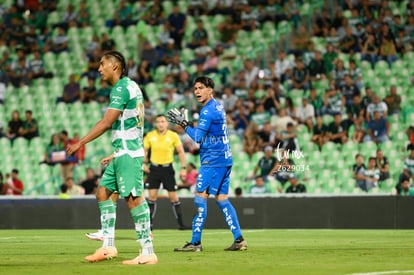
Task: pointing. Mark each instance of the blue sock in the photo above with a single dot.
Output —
(231, 217)
(199, 218)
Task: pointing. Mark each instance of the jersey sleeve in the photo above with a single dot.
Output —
(204, 123)
(147, 143)
(118, 98)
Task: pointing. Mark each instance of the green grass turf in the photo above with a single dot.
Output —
(307, 252)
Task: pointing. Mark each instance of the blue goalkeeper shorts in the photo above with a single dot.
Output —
(214, 180)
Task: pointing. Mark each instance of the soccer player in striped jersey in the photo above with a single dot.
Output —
(216, 163)
(124, 174)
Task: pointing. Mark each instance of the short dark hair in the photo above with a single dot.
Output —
(15, 171)
(206, 81)
(121, 59)
(238, 191)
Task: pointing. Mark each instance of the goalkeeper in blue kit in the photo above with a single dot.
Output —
(216, 163)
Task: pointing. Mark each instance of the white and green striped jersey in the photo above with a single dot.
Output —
(409, 165)
(128, 130)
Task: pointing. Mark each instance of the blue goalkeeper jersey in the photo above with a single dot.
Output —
(212, 135)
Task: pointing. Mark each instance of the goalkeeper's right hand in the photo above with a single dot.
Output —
(178, 117)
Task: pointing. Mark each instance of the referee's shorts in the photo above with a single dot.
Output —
(161, 173)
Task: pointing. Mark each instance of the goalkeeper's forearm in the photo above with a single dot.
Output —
(195, 134)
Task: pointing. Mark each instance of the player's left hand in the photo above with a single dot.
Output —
(73, 148)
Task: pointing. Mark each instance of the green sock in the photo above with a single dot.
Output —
(108, 218)
(141, 217)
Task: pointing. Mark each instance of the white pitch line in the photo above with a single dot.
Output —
(7, 238)
(384, 272)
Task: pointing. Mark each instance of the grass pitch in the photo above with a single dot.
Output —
(281, 252)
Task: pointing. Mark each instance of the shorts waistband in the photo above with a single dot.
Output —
(161, 165)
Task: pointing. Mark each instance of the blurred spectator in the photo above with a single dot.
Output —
(376, 105)
(3, 185)
(300, 77)
(132, 69)
(355, 74)
(14, 125)
(92, 45)
(19, 70)
(123, 15)
(267, 135)
(291, 109)
(71, 91)
(103, 92)
(378, 129)
(265, 164)
(316, 101)
(55, 151)
(30, 128)
(199, 35)
(271, 101)
(177, 23)
(282, 67)
(155, 14)
(337, 130)
(288, 139)
(189, 181)
(370, 176)
(334, 102)
(370, 50)
(241, 118)
(317, 67)
(238, 192)
(259, 117)
(150, 54)
(358, 171)
(60, 43)
(387, 51)
(74, 189)
(329, 57)
(349, 42)
(90, 183)
(368, 98)
(410, 135)
(338, 73)
(259, 187)
(197, 7)
(319, 133)
(306, 113)
(250, 72)
(38, 18)
(107, 43)
(295, 186)
(68, 19)
(175, 67)
(408, 170)
(69, 162)
(406, 188)
(251, 142)
(84, 18)
(249, 18)
(80, 154)
(349, 90)
(2, 92)
(393, 101)
(63, 194)
(93, 65)
(281, 171)
(229, 100)
(144, 73)
(88, 93)
(279, 122)
(299, 41)
(228, 30)
(15, 185)
(37, 67)
(383, 165)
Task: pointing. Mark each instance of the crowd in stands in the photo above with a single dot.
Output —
(319, 87)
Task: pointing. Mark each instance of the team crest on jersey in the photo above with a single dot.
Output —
(219, 108)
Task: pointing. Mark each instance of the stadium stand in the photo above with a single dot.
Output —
(266, 31)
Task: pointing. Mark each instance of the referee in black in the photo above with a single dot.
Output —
(160, 144)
